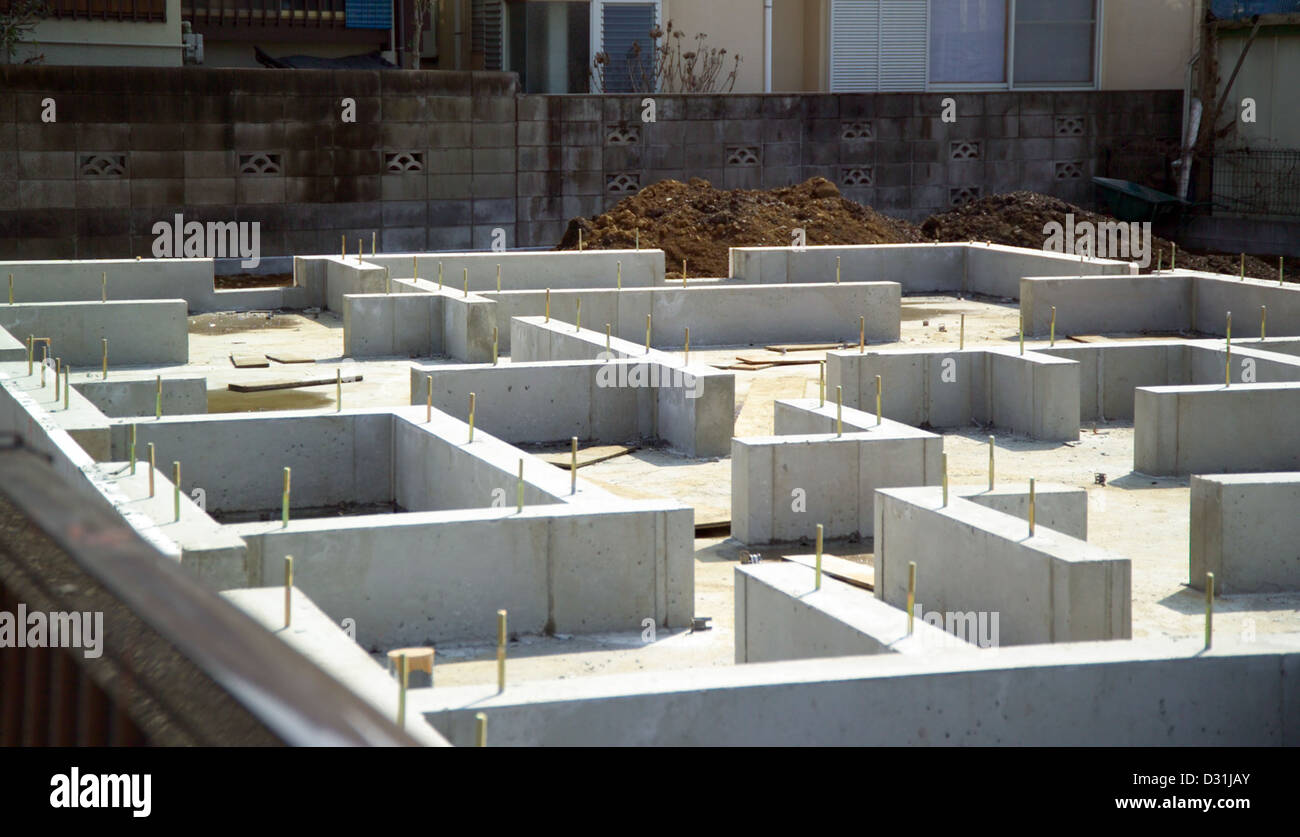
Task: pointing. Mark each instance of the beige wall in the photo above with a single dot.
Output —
(1146, 44)
(108, 43)
(736, 25)
(787, 45)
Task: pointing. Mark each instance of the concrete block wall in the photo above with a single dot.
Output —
(1244, 530)
(450, 160)
(1045, 588)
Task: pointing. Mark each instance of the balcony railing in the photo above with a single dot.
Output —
(279, 14)
(138, 10)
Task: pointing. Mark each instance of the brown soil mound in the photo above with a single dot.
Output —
(1017, 219)
(698, 223)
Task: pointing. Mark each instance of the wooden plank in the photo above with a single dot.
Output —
(850, 572)
(316, 382)
(248, 360)
(290, 357)
(805, 347)
(777, 361)
(586, 456)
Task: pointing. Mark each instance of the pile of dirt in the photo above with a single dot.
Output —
(698, 223)
(1017, 219)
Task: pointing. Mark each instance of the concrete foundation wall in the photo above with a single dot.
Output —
(1106, 304)
(425, 578)
(1108, 373)
(1170, 301)
(1215, 429)
(148, 331)
(1062, 508)
(1033, 393)
(997, 270)
(531, 270)
(437, 468)
(1048, 588)
(920, 268)
(388, 325)
(1244, 530)
(129, 279)
(543, 402)
(722, 315)
(321, 640)
(117, 398)
(238, 461)
(695, 413)
(780, 615)
(783, 486)
(1152, 692)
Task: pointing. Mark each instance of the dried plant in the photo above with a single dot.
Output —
(668, 67)
(16, 24)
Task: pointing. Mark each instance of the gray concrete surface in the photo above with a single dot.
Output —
(1031, 394)
(1153, 692)
(1216, 429)
(1046, 588)
(782, 487)
(1245, 530)
(781, 615)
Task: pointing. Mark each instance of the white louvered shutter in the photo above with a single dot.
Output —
(879, 45)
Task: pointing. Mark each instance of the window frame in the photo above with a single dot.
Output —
(597, 30)
(1009, 64)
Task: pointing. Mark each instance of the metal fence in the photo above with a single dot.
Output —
(1248, 182)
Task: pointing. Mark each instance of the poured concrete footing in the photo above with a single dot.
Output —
(1048, 587)
(782, 615)
(782, 487)
(1220, 429)
(1030, 393)
(1149, 692)
(1245, 530)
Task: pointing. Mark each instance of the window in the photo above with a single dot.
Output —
(901, 45)
(624, 37)
(548, 45)
(1055, 41)
(968, 41)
